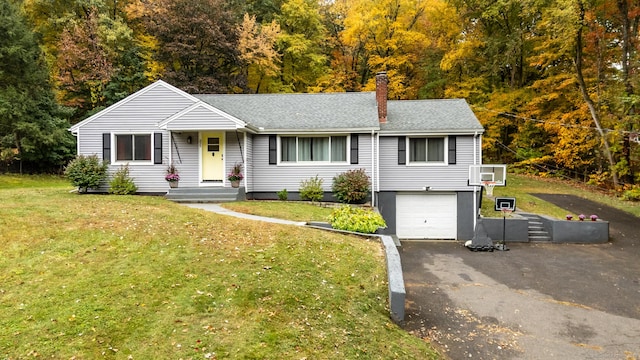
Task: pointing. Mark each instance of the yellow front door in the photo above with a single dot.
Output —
(212, 147)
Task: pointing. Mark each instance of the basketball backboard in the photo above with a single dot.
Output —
(505, 204)
(480, 175)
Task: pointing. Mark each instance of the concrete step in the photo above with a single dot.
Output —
(539, 238)
(536, 230)
(205, 194)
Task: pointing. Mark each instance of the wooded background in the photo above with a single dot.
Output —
(553, 82)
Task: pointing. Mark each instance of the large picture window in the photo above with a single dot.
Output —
(426, 150)
(295, 149)
(133, 147)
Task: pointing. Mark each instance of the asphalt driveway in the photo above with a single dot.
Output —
(535, 301)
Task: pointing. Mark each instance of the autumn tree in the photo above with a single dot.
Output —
(257, 49)
(391, 34)
(84, 68)
(300, 45)
(197, 43)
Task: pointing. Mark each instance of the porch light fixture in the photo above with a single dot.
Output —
(189, 139)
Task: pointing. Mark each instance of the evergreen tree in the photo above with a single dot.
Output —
(32, 124)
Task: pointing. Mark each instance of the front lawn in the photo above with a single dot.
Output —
(97, 276)
(289, 210)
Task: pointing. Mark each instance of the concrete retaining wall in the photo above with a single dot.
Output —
(515, 229)
(397, 292)
(576, 231)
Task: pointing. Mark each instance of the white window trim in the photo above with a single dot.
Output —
(114, 149)
(313, 163)
(445, 162)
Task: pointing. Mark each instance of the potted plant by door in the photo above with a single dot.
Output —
(172, 176)
(235, 176)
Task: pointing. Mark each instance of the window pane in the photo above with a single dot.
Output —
(288, 151)
(213, 144)
(124, 147)
(338, 148)
(436, 150)
(417, 150)
(320, 149)
(304, 149)
(142, 147)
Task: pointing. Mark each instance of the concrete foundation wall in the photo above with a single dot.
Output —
(387, 207)
(465, 215)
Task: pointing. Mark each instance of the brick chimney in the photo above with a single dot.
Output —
(381, 95)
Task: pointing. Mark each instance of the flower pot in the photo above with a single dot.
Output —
(235, 183)
(173, 184)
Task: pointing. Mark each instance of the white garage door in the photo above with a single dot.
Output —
(426, 216)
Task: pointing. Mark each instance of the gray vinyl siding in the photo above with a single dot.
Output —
(185, 157)
(139, 115)
(248, 166)
(394, 177)
(269, 178)
(201, 118)
(232, 153)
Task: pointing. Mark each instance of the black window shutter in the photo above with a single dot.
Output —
(157, 148)
(273, 150)
(106, 147)
(402, 150)
(354, 148)
(452, 150)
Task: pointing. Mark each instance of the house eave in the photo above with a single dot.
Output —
(318, 131)
(431, 132)
(165, 124)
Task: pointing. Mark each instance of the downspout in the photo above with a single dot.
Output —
(475, 188)
(373, 170)
(244, 160)
(377, 167)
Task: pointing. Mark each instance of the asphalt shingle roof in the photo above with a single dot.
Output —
(439, 115)
(344, 111)
(323, 111)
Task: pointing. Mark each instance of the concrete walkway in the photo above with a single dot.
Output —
(220, 210)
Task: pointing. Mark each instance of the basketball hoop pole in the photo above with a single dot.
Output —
(506, 205)
(504, 225)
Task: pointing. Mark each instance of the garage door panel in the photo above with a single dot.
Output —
(428, 216)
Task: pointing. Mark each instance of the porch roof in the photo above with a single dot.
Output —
(201, 116)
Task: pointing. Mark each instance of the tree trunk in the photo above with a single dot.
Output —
(587, 98)
(623, 10)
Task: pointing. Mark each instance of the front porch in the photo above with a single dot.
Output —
(206, 194)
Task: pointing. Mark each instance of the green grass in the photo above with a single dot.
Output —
(521, 187)
(289, 210)
(97, 276)
(32, 181)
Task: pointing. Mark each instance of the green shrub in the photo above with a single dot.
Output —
(86, 172)
(283, 195)
(311, 189)
(356, 219)
(122, 183)
(351, 186)
(632, 194)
